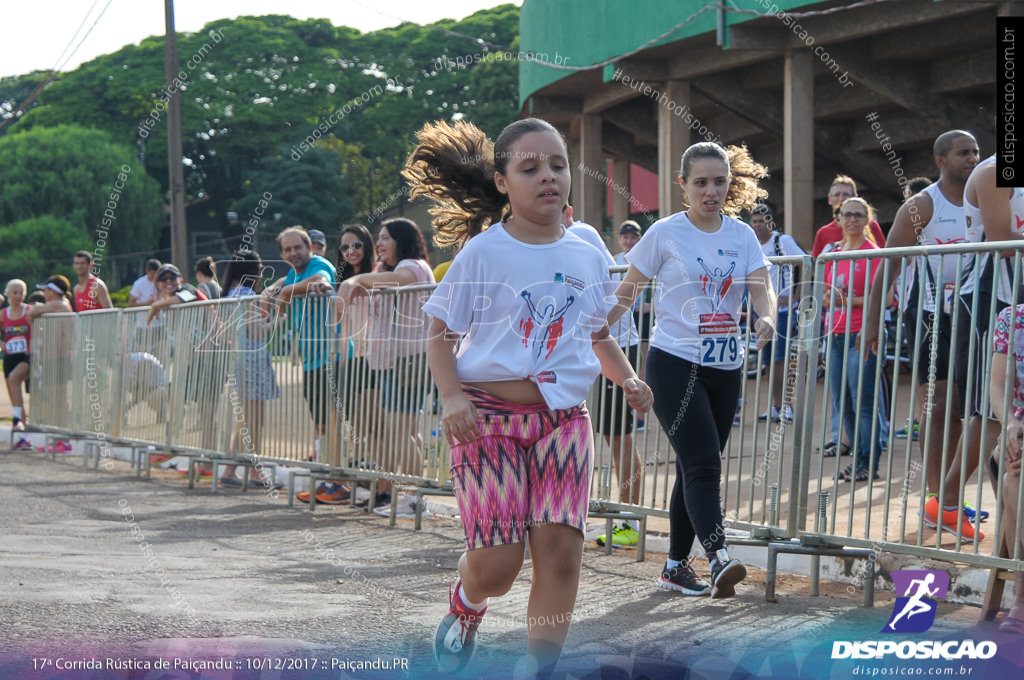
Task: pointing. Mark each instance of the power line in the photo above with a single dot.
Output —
(75, 35)
(20, 109)
(84, 37)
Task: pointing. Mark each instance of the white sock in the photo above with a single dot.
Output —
(672, 564)
(475, 606)
(632, 524)
(17, 411)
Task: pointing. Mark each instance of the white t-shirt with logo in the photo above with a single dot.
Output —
(527, 311)
(701, 280)
(625, 331)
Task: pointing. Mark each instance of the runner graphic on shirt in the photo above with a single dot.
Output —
(715, 282)
(548, 320)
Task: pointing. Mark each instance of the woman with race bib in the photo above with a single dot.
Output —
(17, 334)
(704, 259)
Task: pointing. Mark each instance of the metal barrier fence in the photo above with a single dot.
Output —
(248, 379)
(888, 513)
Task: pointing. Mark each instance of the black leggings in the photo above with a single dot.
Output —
(695, 406)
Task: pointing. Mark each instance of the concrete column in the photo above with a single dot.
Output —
(798, 146)
(673, 139)
(576, 171)
(591, 197)
(620, 198)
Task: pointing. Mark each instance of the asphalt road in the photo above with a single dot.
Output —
(148, 579)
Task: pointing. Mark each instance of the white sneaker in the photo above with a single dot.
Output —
(772, 414)
(787, 414)
(405, 507)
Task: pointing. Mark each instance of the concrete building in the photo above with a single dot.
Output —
(813, 89)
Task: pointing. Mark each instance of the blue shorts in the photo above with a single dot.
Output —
(404, 387)
(777, 347)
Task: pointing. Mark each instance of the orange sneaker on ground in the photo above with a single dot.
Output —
(949, 521)
(333, 494)
(304, 495)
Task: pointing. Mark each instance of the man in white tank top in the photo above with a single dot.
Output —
(991, 213)
(935, 216)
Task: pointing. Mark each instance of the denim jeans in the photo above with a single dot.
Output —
(855, 378)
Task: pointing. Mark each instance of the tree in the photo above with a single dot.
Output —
(253, 85)
(38, 247)
(16, 91)
(80, 178)
(312, 191)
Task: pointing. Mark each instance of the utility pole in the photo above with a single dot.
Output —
(176, 175)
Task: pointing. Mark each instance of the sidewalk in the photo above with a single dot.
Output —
(98, 564)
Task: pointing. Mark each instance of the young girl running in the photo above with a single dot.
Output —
(529, 300)
(17, 335)
(704, 260)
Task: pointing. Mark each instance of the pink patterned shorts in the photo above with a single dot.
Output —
(531, 467)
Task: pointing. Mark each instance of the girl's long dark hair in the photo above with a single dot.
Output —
(245, 267)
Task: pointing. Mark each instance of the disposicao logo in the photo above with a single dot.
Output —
(914, 612)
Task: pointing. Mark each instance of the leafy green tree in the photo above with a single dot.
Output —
(81, 178)
(15, 91)
(38, 247)
(255, 84)
(312, 191)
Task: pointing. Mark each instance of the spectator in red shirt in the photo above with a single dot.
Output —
(90, 291)
(843, 187)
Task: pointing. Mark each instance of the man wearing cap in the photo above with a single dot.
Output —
(199, 378)
(776, 244)
(55, 290)
(143, 291)
(172, 290)
(56, 352)
(317, 242)
(629, 236)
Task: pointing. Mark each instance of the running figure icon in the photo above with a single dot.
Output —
(716, 282)
(914, 604)
(547, 319)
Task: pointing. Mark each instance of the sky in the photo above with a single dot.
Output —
(34, 33)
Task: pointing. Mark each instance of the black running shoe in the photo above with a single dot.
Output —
(725, 574)
(381, 499)
(683, 579)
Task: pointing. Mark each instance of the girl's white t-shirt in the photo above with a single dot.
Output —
(527, 311)
(625, 331)
(701, 280)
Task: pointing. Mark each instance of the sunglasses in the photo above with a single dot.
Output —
(853, 215)
(168, 277)
(357, 245)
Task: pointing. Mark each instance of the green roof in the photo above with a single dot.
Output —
(590, 32)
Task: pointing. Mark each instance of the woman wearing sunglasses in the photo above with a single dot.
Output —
(853, 376)
(355, 256)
